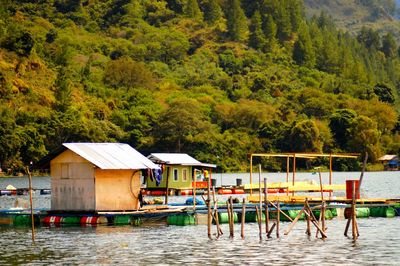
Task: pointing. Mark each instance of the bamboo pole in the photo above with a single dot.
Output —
(266, 206)
(284, 214)
(294, 172)
(287, 174)
(209, 219)
(251, 175)
(231, 217)
(278, 219)
(228, 210)
(243, 218)
(362, 173)
(271, 230)
(259, 198)
(258, 211)
(219, 230)
(287, 231)
(31, 204)
(330, 173)
(194, 190)
(353, 213)
(167, 186)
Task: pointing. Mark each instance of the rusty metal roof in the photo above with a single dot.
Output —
(111, 155)
(177, 159)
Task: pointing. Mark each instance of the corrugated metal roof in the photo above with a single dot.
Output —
(111, 155)
(387, 157)
(177, 159)
(173, 158)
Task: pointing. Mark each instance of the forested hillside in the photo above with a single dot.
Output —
(352, 15)
(217, 79)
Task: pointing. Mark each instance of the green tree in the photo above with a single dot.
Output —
(389, 46)
(303, 51)
(305, 137)
(340, 124)
(212, 11)
(236, 21)
(192, 10)
(384, 93)
(256, 39)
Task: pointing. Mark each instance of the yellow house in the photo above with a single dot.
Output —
(180, 171)
(97, 177)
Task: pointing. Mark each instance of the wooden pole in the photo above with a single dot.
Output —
(194, 190)
(251, 174)
(266, 206)
(231, 217)
(362, 173)
(353, 213)
(278, 219)
(287, 231)
(228, 210)
(258, 212)
(219, 230)
(287, 174)
(209, 219)
(259, 197)
(167, 186)
(243, 218)
(31, 204)
(330, 173)
(294, 172)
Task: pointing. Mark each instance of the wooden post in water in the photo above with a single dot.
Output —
(259, 212)
(266, 206)
(258, 217)
(362, 173)
(219, 230)
(209, 219)
(31, 203)
(294, 172)
(353, 213)
(330, 173)
(167, 186)
(251, 174)
(308, 217)
(243, 218)
(278, 219)
(194, 190)
(287, 174)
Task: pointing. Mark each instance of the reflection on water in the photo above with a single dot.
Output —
(156, 243)
(379, 243)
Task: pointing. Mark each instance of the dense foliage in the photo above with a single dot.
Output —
(217, 79)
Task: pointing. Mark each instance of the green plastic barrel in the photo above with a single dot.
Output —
(22, 220)
(181, 220)
(136, 221)
(172, 220)
(390, 212)
(223, 217)
(334, 212)
(362, 212)
(328, 214)
(71, 220)
(251, 217)
(122, 219)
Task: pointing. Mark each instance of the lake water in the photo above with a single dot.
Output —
(159, 244)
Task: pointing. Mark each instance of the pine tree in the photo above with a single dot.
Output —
(389, 45)
(270, 30)
(303, 51)
(257, 39)
(192, 10)
(236, 21)
(212, 11)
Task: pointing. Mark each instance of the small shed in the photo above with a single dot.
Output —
(390, 161)
(180, 169)
(97, 177)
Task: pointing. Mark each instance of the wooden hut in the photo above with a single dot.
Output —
(178, 172)
(97, 177)
(390, 162)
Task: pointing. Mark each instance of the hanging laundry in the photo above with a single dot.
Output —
(158, 176)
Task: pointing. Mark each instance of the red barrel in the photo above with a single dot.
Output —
(52, 220)
(349, 189)
(186, 192)
(224, 191)
(93, 220)
(157, 193)
(237, 191)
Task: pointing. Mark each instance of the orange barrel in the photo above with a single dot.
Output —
(186, 192)
(52, 220)
(349, 189)
(224, 191)
(93, 220)
(273, 190)
(237, 191)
